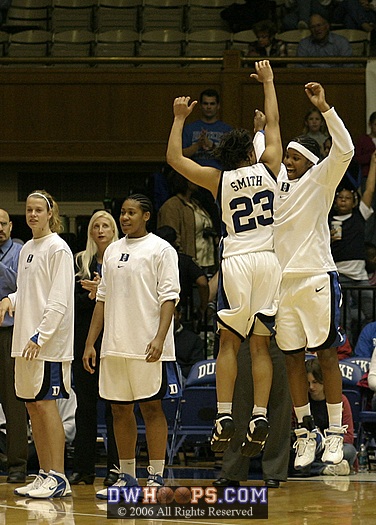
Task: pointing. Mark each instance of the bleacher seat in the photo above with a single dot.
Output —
(28, 17)
(162, 43)
(31, 43)
(73, 15)
(242, 39)
(360, 41)
(164, 14)
(207, 43)
(292, 38)
(206, 14)
(118, 14)
(73, 43)
(117, 43)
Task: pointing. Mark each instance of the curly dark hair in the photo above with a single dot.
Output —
(308, 142)
(234, 148)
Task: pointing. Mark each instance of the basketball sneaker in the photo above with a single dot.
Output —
(55, 485)
(224, 429)
(125, 480)
(333, 450)
(35, 484)
(308, 444)
(257, 434)
(154, 480)
(340, 469)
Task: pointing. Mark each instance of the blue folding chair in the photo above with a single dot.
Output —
(363, 362)
(351, 375)
(198, 408)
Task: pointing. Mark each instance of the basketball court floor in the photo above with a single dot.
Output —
(326, 500)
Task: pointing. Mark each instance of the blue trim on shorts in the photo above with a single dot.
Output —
(335, 338)
(267, 320)
(53, 384)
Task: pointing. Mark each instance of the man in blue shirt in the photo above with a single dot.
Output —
(323, 43)
(14, 410)
(366, 343)
(201, 138)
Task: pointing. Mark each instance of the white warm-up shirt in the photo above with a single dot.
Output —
(44, 299)
(138, 276)
(301, 230)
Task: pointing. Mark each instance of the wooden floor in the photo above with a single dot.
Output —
(344, 500)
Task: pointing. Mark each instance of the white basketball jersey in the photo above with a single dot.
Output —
(245, 197)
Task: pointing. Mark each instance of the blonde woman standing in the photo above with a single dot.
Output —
(43, 339)
(101, 232)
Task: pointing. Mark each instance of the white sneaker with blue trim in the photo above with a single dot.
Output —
(56, 485)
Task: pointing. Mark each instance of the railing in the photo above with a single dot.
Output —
(357, 322)
(230, 59)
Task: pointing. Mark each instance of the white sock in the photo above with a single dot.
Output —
(300, 412)
(259, 411)
(334, 414)
(128, 466)
(158, 466)
(224, 408)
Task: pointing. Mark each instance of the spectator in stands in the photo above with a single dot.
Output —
(266, 44)
(315, 127)
(101, 232)
(14, 409)
(189, 347)
(299, 12)
(202, 137)
(4, 6)
(356, 14)
(365, 146)
(190, 275)
(241, 17)
(196, 236)
(366, 343)
(323, 43)
(319, 410)
(200, 140)
(275, 457)
(371, 262)
(162, 185)
(347, 230)
(372, 377)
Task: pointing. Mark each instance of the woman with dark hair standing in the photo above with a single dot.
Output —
(135, 305)
(101, 232)
(43, 339)
(249, 271)
(309, 308)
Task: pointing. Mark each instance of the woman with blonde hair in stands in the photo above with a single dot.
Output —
(102, 231)
(43, 339)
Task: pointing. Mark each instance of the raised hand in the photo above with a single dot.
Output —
(316, 94)
(182, 108)
(264, 72)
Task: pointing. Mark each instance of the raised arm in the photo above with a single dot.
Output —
(204, 176)
(316, 94)
(367, 196)
(272, 155)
